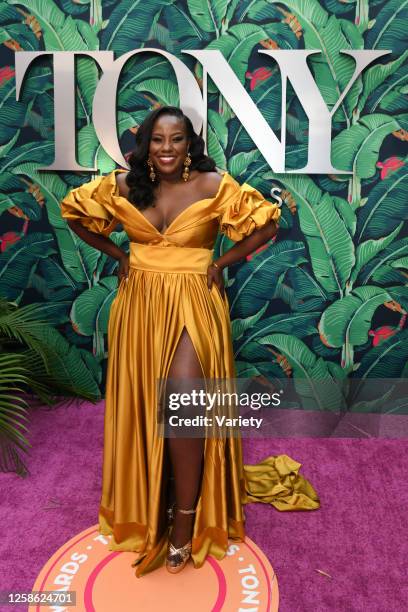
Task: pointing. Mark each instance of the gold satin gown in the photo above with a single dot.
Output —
(167, 290)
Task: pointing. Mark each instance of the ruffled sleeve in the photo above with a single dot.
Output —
(92, 205)
(246, 211)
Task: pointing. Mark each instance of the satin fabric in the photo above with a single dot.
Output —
(167, 291)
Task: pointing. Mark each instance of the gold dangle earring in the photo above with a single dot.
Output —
(187, 164)
(152, 173)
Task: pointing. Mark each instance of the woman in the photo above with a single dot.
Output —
(170, 320)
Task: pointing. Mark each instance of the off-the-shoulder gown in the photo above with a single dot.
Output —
(167, 290)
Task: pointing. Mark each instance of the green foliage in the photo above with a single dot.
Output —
(356, 148)
(389, 31)
(307, 305)
(34, 359)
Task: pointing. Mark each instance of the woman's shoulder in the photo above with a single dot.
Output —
(119, 177)
(213, 182)
(209, 180)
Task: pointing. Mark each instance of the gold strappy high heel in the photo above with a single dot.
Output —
(178, 557)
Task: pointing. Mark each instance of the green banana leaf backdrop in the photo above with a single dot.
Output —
(328, 298)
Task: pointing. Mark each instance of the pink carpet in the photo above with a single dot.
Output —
(359, 536)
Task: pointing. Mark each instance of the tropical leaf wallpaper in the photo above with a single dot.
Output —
(328, 298)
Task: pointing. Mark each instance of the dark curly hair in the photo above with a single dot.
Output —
(138, 180)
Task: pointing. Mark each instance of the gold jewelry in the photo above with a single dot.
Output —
(152, 173)
(215, 265)
(187, 164)
(192, 511)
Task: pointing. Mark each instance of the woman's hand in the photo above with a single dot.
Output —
(214, 275)
(123, 270)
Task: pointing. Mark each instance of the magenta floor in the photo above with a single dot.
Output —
(359, 536)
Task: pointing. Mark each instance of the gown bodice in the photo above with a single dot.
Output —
(236, 210)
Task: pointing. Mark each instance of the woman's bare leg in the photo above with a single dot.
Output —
(186, 454)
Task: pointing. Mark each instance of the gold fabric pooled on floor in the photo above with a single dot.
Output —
(167, 291)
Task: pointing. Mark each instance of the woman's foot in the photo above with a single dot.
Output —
(177, 557)
(182, 529)
(179, 547)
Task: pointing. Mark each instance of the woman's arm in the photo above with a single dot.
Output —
(104, 244)
(249, 244)
(240, 250)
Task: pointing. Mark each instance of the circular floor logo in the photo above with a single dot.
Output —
(104, 581)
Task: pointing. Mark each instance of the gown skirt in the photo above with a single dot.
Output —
(167, 291)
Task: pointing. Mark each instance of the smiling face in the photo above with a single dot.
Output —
(168, 145)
